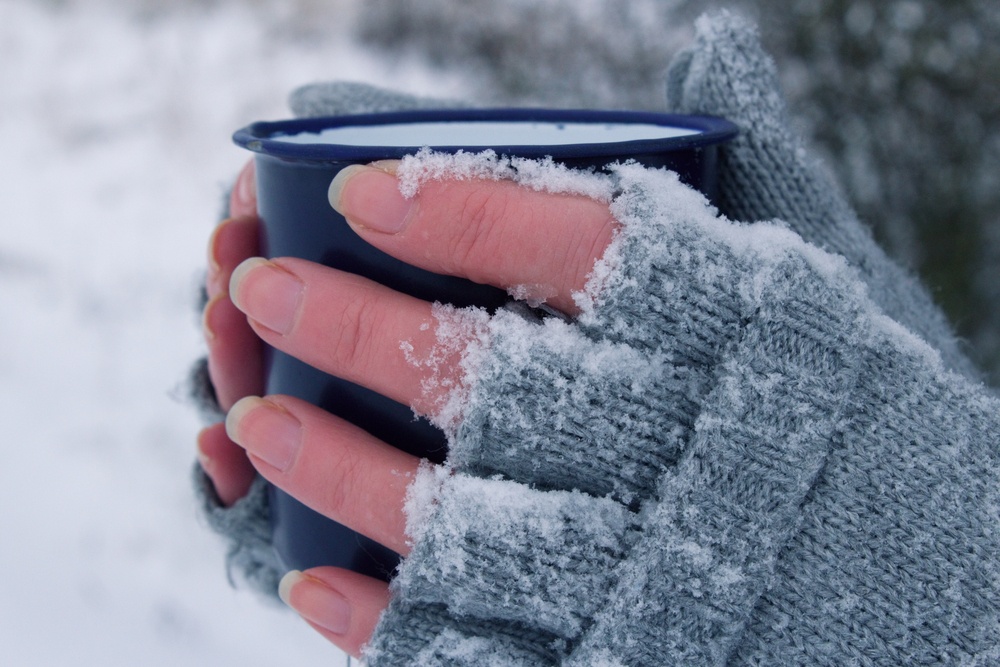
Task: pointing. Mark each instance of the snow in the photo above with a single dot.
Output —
(542, 175)
(116, 153)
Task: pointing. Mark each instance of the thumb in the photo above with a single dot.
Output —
(764, 174)
(727, 73)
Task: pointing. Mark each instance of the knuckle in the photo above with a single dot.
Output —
(355, 333)
(480, 234)
(340, 491)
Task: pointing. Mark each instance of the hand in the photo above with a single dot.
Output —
(490, 232)
(234, 351)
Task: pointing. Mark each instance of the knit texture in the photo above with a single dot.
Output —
(767, 173)
(831, 500)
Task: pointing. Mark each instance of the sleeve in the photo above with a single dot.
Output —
(245, 526)
(828, 495)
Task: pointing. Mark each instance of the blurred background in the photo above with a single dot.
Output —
(116, 116)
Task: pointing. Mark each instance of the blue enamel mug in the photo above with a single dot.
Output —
(295, 162)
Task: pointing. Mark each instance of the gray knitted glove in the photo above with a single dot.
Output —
(246, 524)
(735, 457)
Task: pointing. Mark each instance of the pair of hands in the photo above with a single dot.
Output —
(491, 232)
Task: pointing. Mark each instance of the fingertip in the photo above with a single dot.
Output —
(368, 197)
(234, 354)
(339, 182)
(341, 605)
(242, 270)
(208, 316)
(243, 198)
(287, 583)
(336, 189)
(224, 463)
(237, 413)
(204, 450)
(233, 240)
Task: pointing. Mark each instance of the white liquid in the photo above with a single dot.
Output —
(486, 133)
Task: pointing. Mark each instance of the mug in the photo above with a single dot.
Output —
(295, 162)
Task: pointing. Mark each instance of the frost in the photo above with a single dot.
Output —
(421, 498)
(659, 214)
(450, 367)
(534, 295)
(450, 649)
(542, 175)
(499, 549)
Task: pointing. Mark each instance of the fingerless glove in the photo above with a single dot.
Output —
(801, 479)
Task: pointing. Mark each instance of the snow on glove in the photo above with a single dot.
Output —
(812, 486)
(836, 503)
(832, 501)
(246, 524)
(766, 174)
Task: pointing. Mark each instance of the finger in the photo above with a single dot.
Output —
(243, 198)
(233, 240)
(341, 605)
(235, 361)
(328, 464)
(225, 463)
(345, 325)
(493, 232)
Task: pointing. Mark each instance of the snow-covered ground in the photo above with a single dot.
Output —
(114, 156)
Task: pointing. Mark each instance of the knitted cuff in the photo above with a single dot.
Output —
(550, 404)
(727, 510)
(247, 529)
(202, 393)
(429, 636)
(498, 572)
(493, 549)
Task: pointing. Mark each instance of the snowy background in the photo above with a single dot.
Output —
(114, 157)
(116, 116)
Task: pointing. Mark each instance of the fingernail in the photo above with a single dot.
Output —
(369, 197)
(214, 266)
(267, 293)
(316, 602)
(208, 318)
(265, 430)
(244, 193)
(204, 460)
